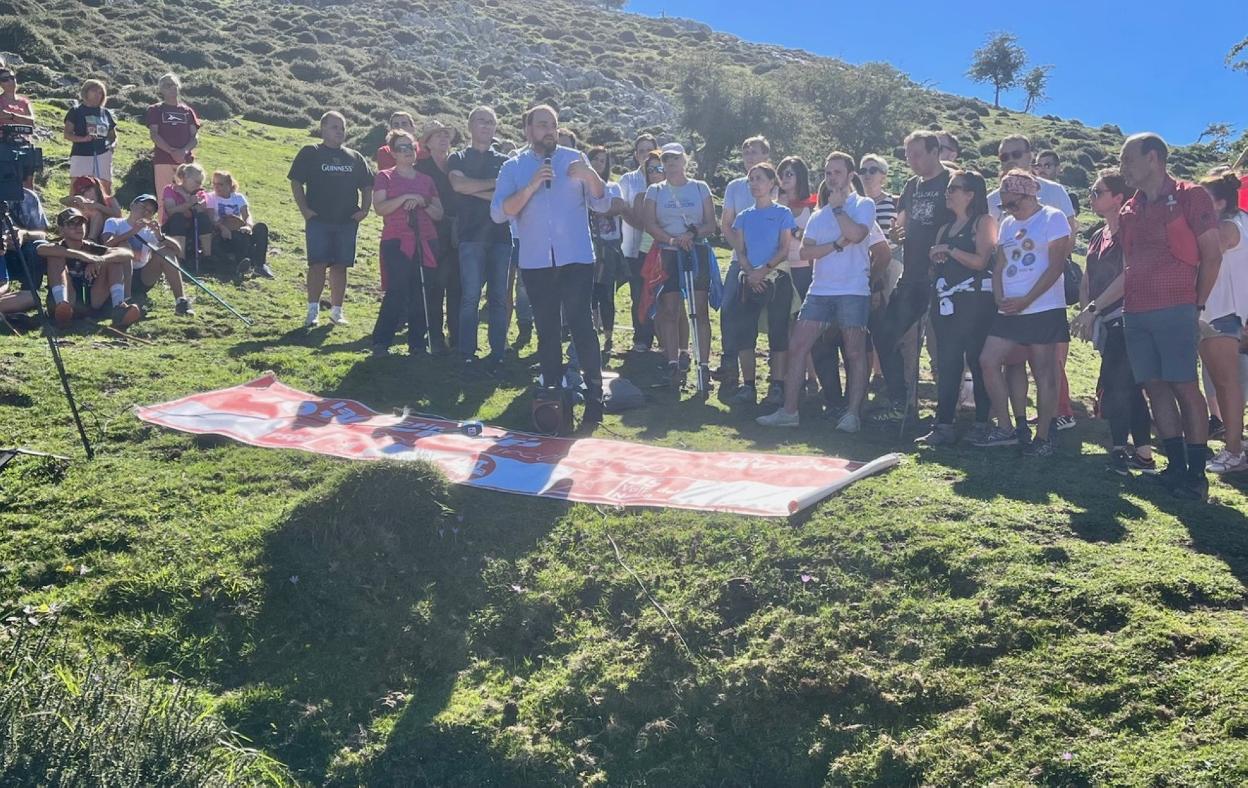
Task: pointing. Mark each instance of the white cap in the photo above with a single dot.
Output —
(672, 149)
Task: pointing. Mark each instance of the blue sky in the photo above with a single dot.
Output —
(1108, 66)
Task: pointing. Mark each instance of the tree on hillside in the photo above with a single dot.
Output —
(1036, 84)
(722, 106)
(862, 110)
(1218, 134)
(998, 62)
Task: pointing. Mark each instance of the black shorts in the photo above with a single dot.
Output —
(1041, 328)
(671, 268)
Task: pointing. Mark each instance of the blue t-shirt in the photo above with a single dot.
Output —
(761, 230)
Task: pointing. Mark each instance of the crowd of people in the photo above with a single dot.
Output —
(838, 273)
(101, 259)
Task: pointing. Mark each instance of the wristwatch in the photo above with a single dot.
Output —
(1091, 307)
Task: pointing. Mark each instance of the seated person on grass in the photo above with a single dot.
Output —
(240, 236)
(84, 276)
(131, 233)
(90, 196)
(31, 224)
(187, 214)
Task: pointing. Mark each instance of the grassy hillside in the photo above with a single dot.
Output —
(970, 617)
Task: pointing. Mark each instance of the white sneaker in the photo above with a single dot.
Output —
(336, 317)
(779, 419)
(1225, 462)
(849, 423)
(313, 316)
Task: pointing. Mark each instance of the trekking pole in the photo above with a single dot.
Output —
(695, 340)
(414, 222)
(193, 280)
(9, 229)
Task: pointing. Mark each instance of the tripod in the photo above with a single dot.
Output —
(9, 229)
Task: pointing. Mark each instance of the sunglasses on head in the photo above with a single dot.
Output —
(1013, 155)
(404, 148)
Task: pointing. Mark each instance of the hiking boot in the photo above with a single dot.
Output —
(1064, 423)
(780, 418)
(183, 307)
(1119, 462)
(63, 314)
(1225, 462)
(849, 423)
(744, 395)
(941, 435)
(126, 315)
(775, 394)
(998, 436)
(1040, 447)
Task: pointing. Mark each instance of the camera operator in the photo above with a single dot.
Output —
(403, 195)
(92, 129)
(84, 276)
(548, 190)
(31, 224)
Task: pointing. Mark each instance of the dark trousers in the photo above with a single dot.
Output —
(908, 303)
(445, 296)
(643, 329)
(566, 290)
(1122, 399)
(253, 245)
(960, 339)
(402, 302)
(604, 302)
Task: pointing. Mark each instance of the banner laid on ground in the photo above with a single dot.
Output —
(267, 413)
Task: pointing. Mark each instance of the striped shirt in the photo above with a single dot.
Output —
(885, 211)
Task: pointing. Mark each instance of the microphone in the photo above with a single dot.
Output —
(546, 162)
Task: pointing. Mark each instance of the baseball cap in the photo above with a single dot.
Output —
(672, 149)
(148, 198)
(68, 216)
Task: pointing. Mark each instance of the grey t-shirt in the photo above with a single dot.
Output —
(677, 207)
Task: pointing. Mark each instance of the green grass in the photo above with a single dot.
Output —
(971, 617)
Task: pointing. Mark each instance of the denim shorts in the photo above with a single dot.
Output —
(330, 243)
(1161, 343)
(1226, 326)
(842, 311)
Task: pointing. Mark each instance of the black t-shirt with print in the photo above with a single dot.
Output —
(333, 178)
(924, 204)
(95, 121)
(474, 222)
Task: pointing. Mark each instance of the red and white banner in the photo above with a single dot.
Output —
(267, 413)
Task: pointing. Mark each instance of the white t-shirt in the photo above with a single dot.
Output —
(1025, 249)
(227, 206)
(115, 227)
(1051, 194)
(677, 207)
(1229, 295)
(848, 271)
(795, 247)
(631, 183)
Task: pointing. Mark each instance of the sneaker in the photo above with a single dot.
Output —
(63, 314)
(314, 315)
(1139, 463)
(126, 315)
(1216, 428)
(183, 307)
(1225, 462)
(978, 431)
(775, 394)
(780, 418)
(338, 319)
(941, 435)
(998, 436)
(1040, 447)
(1192, 488)
(744, 395)
(1064, 422)
(849, 423)
(243, 266)
(264, 270)
(1119, 462)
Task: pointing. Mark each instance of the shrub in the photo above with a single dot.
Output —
(306, 71)
(22, 38)
(1073, 175)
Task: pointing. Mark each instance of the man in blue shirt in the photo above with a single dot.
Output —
(547, 191)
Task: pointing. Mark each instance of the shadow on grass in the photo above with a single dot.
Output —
(368, 595)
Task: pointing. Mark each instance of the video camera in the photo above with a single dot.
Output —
(19, 159)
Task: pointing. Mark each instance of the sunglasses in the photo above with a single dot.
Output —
(956, 187)
(1014, 155)
(873, 170)
(404, 148)
(655, 168)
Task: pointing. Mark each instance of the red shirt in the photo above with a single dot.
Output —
(395, 224)
(175, 125)
(1160, 252)
(19, 104)
(1243, 193)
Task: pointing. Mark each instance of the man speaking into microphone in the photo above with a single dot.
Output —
(547, 190)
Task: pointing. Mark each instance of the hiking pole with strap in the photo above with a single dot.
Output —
(691, 306)
(10, 230)
(414, 223)
(193, 280)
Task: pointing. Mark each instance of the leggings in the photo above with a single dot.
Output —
(1122, 399)
(960, 339)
